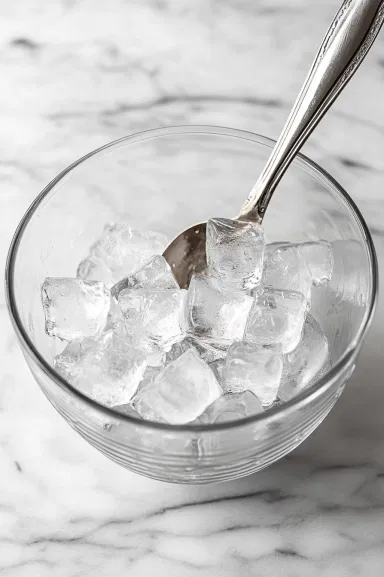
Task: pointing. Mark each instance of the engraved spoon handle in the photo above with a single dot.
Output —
(344, 47)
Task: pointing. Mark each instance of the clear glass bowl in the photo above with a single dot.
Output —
(166, 180)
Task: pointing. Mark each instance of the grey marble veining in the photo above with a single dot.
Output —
(77, 74)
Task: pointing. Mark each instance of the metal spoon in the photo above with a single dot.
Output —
(343, 49)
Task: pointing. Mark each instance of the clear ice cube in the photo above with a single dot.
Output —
(154, 318)
(319, 258)
(115, 319)
(340, 305)
(109, 370)
(66, 360)
(180, 393)
(286, 269)
(215, 314)
(156, 274)
(254, 368)
(231, 407)
(119, 251)
(307, 362)
(317, 255)
(272, 246)
(74, 308)
(235, 252)
(116, 322)
(276, 319)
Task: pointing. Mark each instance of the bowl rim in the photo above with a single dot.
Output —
(304, 397)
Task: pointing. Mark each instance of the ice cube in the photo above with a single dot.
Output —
(276, 319)
(307, 362)
(74, 308)
(66, 360)
(119, 251)
(286, 269)
(231, 407)
(214, 314)
(115, 320)
(155, 274)
(154, 318)
(180, 393)
(317, 254)
(235, 250)
(319, 258)
(272, 246)
(254, 368)
(340, 306)
(109, 371)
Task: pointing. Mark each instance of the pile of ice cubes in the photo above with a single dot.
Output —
(239, 340)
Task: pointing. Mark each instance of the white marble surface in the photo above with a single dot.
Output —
(74, 75)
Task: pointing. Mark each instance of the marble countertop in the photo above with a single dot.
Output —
(79, 73)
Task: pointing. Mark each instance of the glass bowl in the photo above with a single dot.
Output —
(166, 180)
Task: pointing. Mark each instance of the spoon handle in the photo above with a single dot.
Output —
(344, 47)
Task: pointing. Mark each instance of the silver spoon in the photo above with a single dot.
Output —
(343, 49)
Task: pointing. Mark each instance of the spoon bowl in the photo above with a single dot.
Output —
(186, 253)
